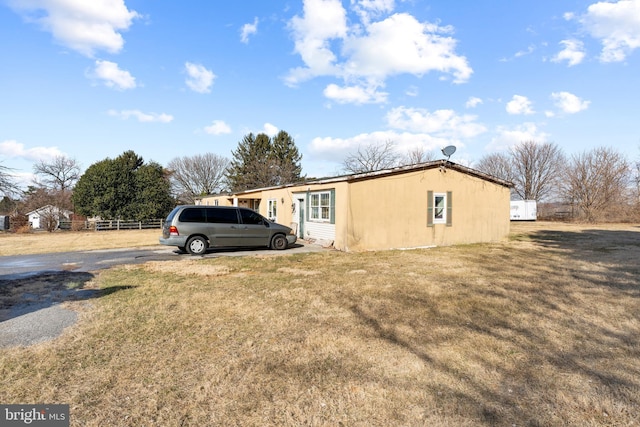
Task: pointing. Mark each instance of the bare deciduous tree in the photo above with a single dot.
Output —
(596, 183)
(57, 178)
(59, 174)
(636, 182)
(537, 169)
(7, 182)
(418, 155)
(497, 164)
(199, 175)
(372, 157)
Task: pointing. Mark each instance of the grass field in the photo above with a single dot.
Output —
(540, 330)
(41, 242)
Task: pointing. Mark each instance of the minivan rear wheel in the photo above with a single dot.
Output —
(197, 245)
(279, 242)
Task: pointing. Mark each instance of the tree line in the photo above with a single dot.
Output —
(600, 184)
(596, 185)
(128, 188)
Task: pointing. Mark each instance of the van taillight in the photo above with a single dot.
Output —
(173, 231)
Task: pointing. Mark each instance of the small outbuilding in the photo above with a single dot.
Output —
(428, 204)
(47, 217)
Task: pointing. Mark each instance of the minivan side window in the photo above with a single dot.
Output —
(193, 215)
(251, 217)
(222, 216)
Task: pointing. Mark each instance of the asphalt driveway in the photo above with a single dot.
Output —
(33, 288)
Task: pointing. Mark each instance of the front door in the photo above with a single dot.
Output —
(301, 218)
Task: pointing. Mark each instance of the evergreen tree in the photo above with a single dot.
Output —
(288, 157)
(261, 162)
(123, 188)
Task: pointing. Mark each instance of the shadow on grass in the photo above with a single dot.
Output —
(550, 337)
(29, 293)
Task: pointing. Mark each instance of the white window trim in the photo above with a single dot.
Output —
(442, 220)
(319, 206)
(272, 209)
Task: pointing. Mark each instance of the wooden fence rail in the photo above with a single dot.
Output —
(115, 224)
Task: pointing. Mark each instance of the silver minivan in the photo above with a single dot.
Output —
(195, 228)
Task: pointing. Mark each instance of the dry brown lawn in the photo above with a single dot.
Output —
(42, 242)
(540, 330)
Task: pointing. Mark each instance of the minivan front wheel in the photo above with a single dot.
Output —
(197, 245)
(279, 242)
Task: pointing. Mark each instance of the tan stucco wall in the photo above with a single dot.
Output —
(391, 212)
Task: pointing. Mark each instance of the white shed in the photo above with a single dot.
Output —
(38, 217)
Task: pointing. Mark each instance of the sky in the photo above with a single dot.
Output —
(91, 79)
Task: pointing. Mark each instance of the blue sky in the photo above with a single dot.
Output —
(91, 79)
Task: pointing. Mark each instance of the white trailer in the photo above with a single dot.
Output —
(523, 210)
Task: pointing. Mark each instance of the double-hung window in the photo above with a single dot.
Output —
(320, 206)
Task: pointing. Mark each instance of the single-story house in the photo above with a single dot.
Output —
(38, 218)
(427, 204)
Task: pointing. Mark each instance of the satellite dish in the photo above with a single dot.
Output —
(449, 150)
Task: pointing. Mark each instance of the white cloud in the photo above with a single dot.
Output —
(411, 128)
(323, 21)
(519, 105)
(334, 149)
(247, 30)
(441, 123)
(199, 78)
(218, 127)
(270, 129)
(13, 149)
(526, 52)
(412, 91)
(569, 103)
(616, 25)
(401, 44)
(473, 102)
(112, 76)
(142, 117)
(507, 137)
(369, 9)
(366, 53)
(354, 94)
(82, 25)
(573, 52)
